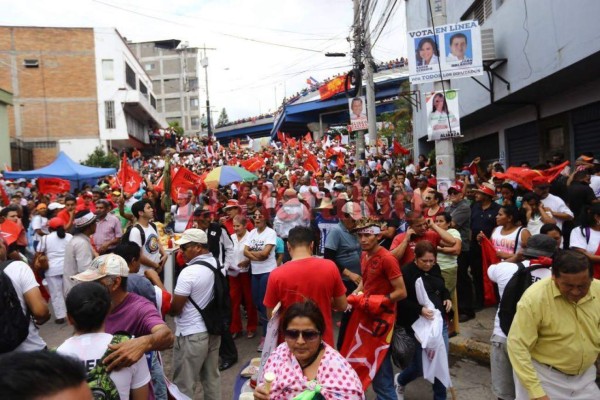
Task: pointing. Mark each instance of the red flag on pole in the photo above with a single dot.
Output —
(4, 196)
(128, 177)
(311, 163)
(53, 185)
(185, 180)
(398, 149)
(527, 177)
(488, 257)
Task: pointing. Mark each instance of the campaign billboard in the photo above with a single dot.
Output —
(443, 121)
(449, 52)
(358, 113)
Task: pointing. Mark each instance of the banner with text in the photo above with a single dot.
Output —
(443, 121)
(453, 49)
(358, 114)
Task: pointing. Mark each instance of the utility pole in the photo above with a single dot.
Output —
(358, 45)
(444, 149)
(371, 111)
(204, 63)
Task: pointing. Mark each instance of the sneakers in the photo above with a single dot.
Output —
(251, 334)
(261, 345)
(398, 387)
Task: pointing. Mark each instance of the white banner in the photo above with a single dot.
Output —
(443, 120)
(453, 49)
(358, 114)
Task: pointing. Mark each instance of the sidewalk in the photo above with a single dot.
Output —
(473, 341)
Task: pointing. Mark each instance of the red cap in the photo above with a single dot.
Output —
(487, 189)
(253, 197)
(56, 222)
(232, 203)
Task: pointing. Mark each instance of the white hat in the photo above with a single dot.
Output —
(104, 265)
(55, 206)
(192, 236)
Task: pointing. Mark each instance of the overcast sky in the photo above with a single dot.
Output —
(246, 77)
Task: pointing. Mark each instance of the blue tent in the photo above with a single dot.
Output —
(65, 168)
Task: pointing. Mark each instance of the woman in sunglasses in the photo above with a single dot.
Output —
(304, 364)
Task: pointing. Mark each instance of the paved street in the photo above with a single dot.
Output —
(471, 380)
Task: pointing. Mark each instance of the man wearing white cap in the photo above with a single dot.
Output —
(196, 352)
(79, 252)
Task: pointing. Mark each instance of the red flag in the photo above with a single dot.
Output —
(4, 196)
(488, 257)
(291, 142)
(308, 138)
(128, 177)
(367, 341)
(185, 180)
(333, 87)
(10, 231)
(253, 164)
(311, 163)
(159, 185)
(398, 149)
(53, 185)
(526, 177)
(281, 137)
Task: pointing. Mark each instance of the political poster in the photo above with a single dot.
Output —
(449, 52)
(443, 120)
(358, 113)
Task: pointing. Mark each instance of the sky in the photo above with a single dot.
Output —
(247, 77)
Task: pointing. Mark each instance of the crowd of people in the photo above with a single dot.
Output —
(328, 237)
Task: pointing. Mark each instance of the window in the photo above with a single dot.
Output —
(149, 66)
(153, 101)
(109, 114)
(130, 76)
(28, 63)
(195, 122)
(108, 70)
(194, 103)
(481, 10)
(192, 84)
(143, 89)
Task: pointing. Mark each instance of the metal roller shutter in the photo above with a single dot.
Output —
(586, 129)
(523, 144)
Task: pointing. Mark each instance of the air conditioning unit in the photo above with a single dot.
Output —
(488, 48)
(31, 63)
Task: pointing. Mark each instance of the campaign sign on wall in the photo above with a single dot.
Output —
(450, 52)
(443, 121)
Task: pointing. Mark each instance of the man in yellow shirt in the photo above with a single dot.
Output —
(554, 339)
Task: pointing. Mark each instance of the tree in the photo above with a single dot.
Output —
(223, 118)
(99, 158)
(176, 128)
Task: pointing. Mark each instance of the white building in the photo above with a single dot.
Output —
(549, 53)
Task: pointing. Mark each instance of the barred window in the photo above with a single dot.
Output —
(480, 10)
(129, 76)
(109, 114)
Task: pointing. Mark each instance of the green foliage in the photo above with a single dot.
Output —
(176, 128)
(223, 118)
(99, 158)
(400, 119)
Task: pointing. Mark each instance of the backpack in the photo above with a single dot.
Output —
(125, 237)
(516, 286)
(14, 323)
(98, 379)
(217, 313)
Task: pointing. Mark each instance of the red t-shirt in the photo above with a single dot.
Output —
(378, 270)
(409, 254)
(64, 215)
(309, 278)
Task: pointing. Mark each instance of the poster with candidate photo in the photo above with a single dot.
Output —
(358, 114)
(443, 121)
(449, 52)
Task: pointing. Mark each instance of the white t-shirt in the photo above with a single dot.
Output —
(556, 204)
(578, 239)
(506, 243)
(595, 185)
(257, 242)
(182, 216)
(238, 250)
(195, 281)
(23, 281)
(55, 250)
(39, 222)
(90, 348)
(150, 248)
(501, 274)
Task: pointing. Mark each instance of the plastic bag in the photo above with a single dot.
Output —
(403, 348)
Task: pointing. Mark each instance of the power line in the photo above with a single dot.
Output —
(386, 21)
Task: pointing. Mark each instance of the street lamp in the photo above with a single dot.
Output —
(204, 64)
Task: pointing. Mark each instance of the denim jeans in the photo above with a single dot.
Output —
(415, 370)
(383, 382)
(259, 288)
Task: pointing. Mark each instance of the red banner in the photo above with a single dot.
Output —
(526, 177)
(367, 340)
(488, 257)
(53, 185)
(128, 177)
(311, 163)
(333, 87)
(10, 231)
(308, 138)
(185, 180)
(398, 149)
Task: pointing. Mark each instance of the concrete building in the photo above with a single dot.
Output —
(549, 53)
(5, 101)
(74, 89)
(173, 67)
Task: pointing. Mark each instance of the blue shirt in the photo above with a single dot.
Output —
(346, 246)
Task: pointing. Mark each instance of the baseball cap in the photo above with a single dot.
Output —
(455, 188)
(55, 223)
(540, 245)
(55, 206)
(353, 209)
(231, 203)
(192, 236)
(104, 265)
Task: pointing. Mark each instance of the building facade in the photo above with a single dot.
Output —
(74, 89)
(548, 54)
(173, 67)
(5, 102)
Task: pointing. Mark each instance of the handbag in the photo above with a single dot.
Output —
(40, 259)
(403, 347)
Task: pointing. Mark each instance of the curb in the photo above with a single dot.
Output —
(473, 349)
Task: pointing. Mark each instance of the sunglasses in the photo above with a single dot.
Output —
(308, 335)
(428, 198)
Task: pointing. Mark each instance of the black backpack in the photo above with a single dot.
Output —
(14, 323)
(516, 286)
(217, 313)
(125, 237)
